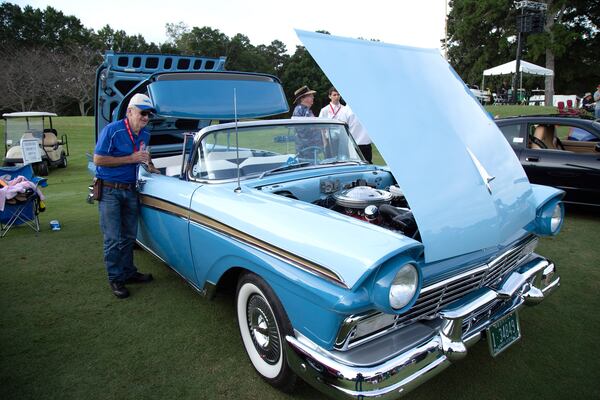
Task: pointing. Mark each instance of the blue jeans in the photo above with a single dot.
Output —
(597, 112)
(118, 222)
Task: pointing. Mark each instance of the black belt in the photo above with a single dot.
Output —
(119, 185)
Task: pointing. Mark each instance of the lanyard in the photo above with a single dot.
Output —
(336, 111)
(130, 135)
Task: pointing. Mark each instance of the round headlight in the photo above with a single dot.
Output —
(404, 286)
(557, 218)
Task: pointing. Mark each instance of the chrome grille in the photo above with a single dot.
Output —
(504, 264)
(436, 296)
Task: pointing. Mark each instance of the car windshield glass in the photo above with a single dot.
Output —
(273, 149)
(16, 128)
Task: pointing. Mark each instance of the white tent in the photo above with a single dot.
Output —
(510, 68)
(526, 67)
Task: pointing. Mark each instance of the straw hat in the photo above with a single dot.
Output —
(303, 91)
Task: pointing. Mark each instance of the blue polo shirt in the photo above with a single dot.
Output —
(115, 141)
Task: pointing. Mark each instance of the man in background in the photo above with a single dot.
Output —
(304, 99)
(333, 110)
(587, 102)
(307, 140)
(336, 110)
(597, 100)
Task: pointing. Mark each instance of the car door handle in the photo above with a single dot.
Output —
(532, 159)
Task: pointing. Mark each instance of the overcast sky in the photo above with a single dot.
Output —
(408, 22)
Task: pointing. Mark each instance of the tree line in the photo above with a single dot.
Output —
(48, 59)
(482, 34)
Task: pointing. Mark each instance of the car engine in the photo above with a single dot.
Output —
(386, 208)
(372, 201)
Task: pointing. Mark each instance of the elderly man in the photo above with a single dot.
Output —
(304, 99)
(309, 141)
(120, 149)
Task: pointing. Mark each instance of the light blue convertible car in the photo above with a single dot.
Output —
(364, 281)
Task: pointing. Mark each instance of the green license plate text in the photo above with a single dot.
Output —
(503, 333)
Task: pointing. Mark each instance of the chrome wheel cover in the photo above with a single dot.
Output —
(263, 329)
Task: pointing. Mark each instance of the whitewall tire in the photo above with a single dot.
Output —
(263, 327)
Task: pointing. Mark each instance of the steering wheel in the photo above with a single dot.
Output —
(537, 142)
(311, 149)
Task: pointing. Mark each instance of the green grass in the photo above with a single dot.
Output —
(511, 111)
(64, 335)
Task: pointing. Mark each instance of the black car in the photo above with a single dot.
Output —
(560, 151)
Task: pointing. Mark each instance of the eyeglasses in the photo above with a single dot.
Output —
(146, 114)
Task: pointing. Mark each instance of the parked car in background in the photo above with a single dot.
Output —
(558, 150)
(363, 280)
(36, 126)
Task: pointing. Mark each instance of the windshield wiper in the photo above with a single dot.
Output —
(284, 168)
(332, 161)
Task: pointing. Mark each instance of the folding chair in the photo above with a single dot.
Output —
(570, 109)
(24, 208)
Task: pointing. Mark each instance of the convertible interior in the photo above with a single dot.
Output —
(546, 137)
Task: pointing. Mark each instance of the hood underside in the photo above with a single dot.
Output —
(462, 180)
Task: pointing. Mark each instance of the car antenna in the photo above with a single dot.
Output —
(238, 189)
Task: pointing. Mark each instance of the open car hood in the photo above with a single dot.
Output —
(462, 180)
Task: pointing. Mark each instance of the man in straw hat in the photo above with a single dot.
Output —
(304, 99)
(308, 140)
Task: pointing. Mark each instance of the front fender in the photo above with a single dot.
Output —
(306, 298)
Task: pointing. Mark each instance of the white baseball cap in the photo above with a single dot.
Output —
(142, 102)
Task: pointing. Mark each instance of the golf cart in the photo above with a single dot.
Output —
(538, 97)
(29, 126)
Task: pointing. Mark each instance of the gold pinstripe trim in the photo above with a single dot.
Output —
(203, 220)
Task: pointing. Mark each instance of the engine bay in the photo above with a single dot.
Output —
(372, 197)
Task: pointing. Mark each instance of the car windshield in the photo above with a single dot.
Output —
(270, 149)
(16, 128)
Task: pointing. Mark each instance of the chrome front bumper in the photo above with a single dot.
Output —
(455, 331)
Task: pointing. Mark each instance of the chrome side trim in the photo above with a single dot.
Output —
(216, 226)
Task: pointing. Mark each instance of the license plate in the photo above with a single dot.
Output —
(502, 333)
